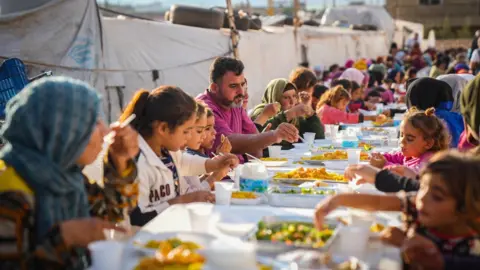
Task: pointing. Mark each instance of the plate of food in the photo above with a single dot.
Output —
(301, 175)
(383, 121)
(337, 155)
(172, 251)
(284, 196)
(245, 198)
(274, 162)
(295, 231)
(149, 244)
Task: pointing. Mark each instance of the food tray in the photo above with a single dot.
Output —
(295, 200)
(300, 181)
(265, 245)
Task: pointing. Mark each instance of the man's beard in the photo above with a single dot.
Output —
(235, 103)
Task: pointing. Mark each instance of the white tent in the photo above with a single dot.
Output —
(119, 56)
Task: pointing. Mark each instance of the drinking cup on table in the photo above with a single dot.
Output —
(380, 108)
(353, 156)
(309, 138)
(274, 151)
(359, 235)
(223, 193)
(106, 255)
(200, 214)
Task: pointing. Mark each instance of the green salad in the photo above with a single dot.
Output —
(294, 233)
(305, 191)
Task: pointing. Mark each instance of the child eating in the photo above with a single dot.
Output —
(331, 108)
(421, 135)
(445, 210)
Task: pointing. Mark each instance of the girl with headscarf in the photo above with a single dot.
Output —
(301, 115)
(53, 128)
(425, 93)
(457, 83)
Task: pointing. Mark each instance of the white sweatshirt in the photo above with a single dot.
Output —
(156, 184)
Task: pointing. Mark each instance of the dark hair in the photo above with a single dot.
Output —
(319, 90)
(374, 93)
(303, 78)
(411, 71)
(209, 112)
(165, 104)
(333, 67)
(201, 109)
(375, 77)
(459, 172)
(222, 65)
(430, 126)
(355, 86)
(343, 82)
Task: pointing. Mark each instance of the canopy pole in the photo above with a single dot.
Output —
(233, 29)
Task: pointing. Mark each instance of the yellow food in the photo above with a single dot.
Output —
(243, 195)
(382, 120)
(310, 173)
(172, 254)
(336, 155)
(274, 159)
(377, 227)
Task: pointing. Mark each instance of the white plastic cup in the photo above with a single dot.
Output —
(379, 107)
(274, 151)
(360, 234)
(309, 138)
(200, 214)
(353, 156)
(223, 193)
(106, 255)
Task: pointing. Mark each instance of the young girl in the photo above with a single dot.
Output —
(193, 147)
(331, 108)
(357, 102)
(165, 120)
(421, 135)
(445, 209)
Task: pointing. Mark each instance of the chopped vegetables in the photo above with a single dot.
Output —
(294, 233)
(306, 191)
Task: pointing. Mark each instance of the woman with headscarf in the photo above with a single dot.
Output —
(53, 128)
(457, 83)
(291, 111)
(425, 93)
(353, 74)
(470, 109)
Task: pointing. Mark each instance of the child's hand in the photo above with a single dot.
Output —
(422, 253)
(323, 209)
(124, 147)
(197, 196)
(393, 236)
(367, 173)
(378, 160)
(225, 146)
(403, 171)
(222, 162)
(299, 110)
(305, 98)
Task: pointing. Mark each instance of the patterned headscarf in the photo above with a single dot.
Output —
(47, 128)
(457, 83)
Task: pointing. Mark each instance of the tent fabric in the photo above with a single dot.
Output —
(120, 56)
(365, 14)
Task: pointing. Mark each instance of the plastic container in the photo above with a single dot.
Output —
(254, 178)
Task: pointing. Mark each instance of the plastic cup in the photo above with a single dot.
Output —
(106, 255)
(309, 138)
(360, 234)
(379, 107)
(223, 193)
(353, 156)
(200, 214)
(274, 151)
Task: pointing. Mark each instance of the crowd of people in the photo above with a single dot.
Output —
(178, 146)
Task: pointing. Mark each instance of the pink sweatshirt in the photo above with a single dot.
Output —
(414, 163)
(329, 115)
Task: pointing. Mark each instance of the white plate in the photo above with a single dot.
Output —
(256, 201)
(314, 162)
(200, 239)
(275, 163)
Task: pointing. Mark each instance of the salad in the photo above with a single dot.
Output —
(305, 191)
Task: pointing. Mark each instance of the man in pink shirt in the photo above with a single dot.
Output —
(225, 97)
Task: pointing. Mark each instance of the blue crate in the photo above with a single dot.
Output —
(13, 78)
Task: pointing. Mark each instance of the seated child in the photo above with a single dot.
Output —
(357, 102)
(203, 134)
(444, 210)
(332, 108)
(421, 135)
